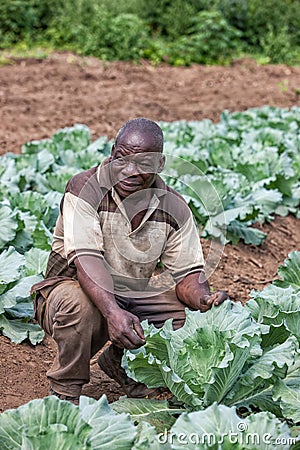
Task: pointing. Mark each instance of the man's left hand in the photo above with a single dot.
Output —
(215, 298)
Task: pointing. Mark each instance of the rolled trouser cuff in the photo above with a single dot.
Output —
(69, 390)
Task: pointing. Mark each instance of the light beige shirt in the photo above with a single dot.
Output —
(94, 221)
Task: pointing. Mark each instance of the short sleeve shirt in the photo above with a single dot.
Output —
(93, 220)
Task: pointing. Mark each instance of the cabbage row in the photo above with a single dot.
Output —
(233, 174)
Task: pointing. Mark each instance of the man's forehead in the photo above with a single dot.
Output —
(138, 155)
(138, 141)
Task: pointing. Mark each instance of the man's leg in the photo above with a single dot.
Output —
(79, 331)
(159, 308)
(110, 362)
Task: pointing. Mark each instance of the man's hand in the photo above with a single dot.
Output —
(125, 330)
(215, 298)
(193, 290)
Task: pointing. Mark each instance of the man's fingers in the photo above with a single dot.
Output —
(125, 331)
(213, 299)
(123, 342)
(138, 329)
(204, 308)
(220, 297)
(134, 340)
(208, 299)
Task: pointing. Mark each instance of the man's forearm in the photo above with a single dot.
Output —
(97, 283)
(124, 328)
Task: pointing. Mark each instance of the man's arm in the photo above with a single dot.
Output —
(124, 328)
(194, 291)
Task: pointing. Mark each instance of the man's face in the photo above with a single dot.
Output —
(135, 161)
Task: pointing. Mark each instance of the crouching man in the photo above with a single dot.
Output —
(116, 222)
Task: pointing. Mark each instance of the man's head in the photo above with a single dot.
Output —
(136, 156)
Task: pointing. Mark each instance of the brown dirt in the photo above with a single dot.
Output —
(38, 97)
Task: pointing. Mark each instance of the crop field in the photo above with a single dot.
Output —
(232, 140)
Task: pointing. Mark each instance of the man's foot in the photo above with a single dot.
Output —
(110, 362)
(74, 400)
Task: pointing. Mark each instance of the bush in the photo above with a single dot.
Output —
(72, 21)
(122, 37)
(16, 21)
(24, 20)
(92, 30)
(235, 12)
(276, 46)
(271, 14)
(175, 31)
(209, 40)
(256, 18)
(169, 17)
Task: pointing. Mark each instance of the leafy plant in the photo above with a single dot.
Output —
(220, 366)
(290, 272)
(53, 423)
(247, 357)
(220, 427)
(250, 163)
(208, 40)
(214, 357)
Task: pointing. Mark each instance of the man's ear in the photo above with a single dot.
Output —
(161, 163)
(112, 152)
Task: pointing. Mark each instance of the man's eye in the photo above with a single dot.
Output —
(147, 167)
(120, 161)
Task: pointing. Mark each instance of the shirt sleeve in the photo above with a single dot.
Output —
(183, 252)
(82, 231)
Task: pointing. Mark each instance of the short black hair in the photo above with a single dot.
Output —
(144, 126)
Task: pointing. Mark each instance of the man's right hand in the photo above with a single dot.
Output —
(125, 330)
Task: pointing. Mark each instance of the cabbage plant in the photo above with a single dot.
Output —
(216, 357)
(51, 423)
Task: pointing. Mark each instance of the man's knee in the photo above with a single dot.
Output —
(68, 305)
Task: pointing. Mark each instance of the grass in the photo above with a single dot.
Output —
(22, 50)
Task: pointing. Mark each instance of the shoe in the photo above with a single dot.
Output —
(110, 362)
(74, 400)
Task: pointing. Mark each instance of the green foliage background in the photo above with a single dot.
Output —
(174, 31)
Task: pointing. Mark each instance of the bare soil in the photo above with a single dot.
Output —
(39, 96)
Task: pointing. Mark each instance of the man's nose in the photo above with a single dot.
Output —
(130, 169)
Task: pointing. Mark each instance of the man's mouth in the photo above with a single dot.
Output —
(129, 185)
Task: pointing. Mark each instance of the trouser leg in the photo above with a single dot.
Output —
(79, 331)
(110, 362)
(159, 308)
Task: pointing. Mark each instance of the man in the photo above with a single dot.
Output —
(116, 222)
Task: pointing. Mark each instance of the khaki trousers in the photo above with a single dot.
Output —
(79, 329)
